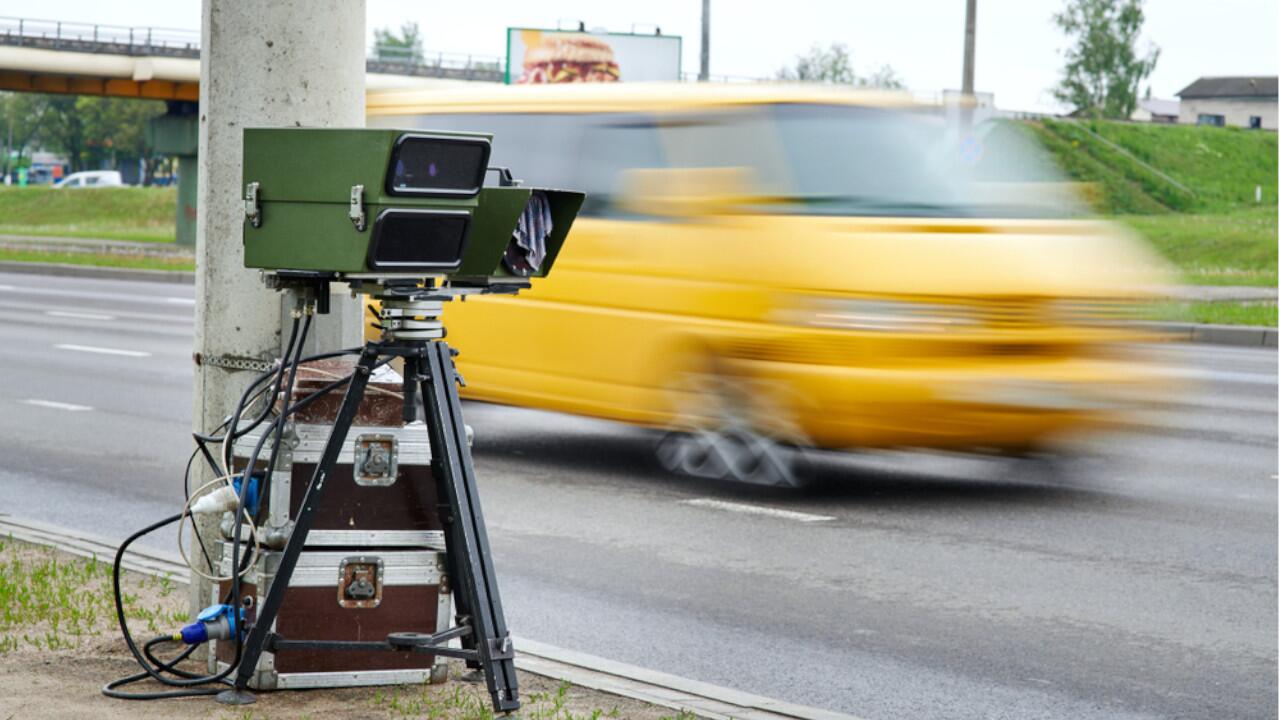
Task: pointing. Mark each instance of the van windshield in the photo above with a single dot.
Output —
(848, 160)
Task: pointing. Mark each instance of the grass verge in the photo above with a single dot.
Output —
(59, 643)
(1236, 248)
(124, 213)
(116, 260)
(1214, 313)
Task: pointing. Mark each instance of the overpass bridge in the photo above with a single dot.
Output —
(50, 56)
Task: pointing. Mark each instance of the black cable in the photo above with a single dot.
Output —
(252, 462)
(189, 683)
(186, 497)
(231, 435)
(280, 422)
(154, 667)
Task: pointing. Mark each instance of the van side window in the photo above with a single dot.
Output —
(612, 145)
(744, 138)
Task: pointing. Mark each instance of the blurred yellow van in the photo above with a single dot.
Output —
(759, 268)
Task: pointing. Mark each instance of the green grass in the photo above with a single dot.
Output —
(1214, 313)
(470, 702)
(119, 260)
(51, 602)
(1219, 166)
(1213, 230)
(126, 213)
(1220, 249)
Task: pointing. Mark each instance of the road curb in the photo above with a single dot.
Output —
(657, 688)
(1235, 335)
(180, 277)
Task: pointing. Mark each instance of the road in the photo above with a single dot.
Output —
(1144, 585)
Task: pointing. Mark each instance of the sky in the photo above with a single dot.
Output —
(1019, 51)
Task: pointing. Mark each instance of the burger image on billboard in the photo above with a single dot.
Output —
(569, 58)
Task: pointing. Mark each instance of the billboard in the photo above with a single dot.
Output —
(565, 56)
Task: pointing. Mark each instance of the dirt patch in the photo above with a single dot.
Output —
(59, 645)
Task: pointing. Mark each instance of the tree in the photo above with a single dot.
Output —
(1104, 67)
(21, 115)
(116, 128)
(63, 129)
(834, 66)
(405, 47)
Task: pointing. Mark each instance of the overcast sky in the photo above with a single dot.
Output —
(1018, 50)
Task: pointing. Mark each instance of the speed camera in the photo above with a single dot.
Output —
(383, 203)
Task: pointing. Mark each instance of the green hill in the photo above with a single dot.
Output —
(1145, 168)
(1188, 189)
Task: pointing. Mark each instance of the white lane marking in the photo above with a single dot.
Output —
(103, 351)
(78, 315)
(756, 510)
(1222, 376)
(56, 405)
(127, 295)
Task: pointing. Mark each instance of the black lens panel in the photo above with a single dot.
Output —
(409, 240)
(432, 165)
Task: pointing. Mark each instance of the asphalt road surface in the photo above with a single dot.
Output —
(1143, 584)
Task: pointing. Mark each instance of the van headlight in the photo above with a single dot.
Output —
(878, 315)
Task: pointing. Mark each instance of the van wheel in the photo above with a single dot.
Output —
(712, 434)
(734, 455)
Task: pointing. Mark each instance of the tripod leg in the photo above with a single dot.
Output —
(253, 645)
(467, 542)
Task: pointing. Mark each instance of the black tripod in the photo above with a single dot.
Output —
(480, 625)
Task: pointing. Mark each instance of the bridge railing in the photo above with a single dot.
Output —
(399, 60)
(124, 40)
(85, 37)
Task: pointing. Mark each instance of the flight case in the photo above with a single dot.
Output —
(373, 562)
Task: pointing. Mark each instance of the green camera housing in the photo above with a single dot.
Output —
(386, 203)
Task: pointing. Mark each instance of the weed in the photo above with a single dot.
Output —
(50, 603)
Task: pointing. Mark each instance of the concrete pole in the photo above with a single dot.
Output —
(284, 63)
(970, 21)
(704, 69)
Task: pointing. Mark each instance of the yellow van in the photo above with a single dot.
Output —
(759, 268)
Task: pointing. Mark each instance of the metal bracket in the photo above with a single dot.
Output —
(235, 362)
(252, 208)
(356, 210)
(500, 648)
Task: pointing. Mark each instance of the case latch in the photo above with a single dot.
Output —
(356, 211)
(252, 208)
(360, 582)
(375, 461)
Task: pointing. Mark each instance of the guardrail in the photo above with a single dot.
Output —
(170, 42)
(113, 39)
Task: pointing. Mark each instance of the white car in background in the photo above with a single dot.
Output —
(91, 178)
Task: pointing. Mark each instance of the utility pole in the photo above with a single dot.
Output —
(966, 84)
(285, 63)
(704, 70)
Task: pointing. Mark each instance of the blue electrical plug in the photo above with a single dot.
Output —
(216, 622)
(250, 495)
